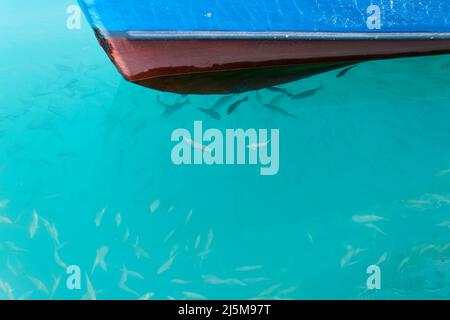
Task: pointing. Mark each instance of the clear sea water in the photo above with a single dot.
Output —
(76, 138)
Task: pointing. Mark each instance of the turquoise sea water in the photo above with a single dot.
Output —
(76, 139)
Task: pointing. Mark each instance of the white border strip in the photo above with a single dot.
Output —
(244, 35)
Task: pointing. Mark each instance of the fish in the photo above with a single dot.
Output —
(63, 68)
(443, 173)
(172, 108)
(382, 259)
(166, 266)
(59, 261)
(211, 113)
(100, 259)
(5, 220)
(255, 146)
(375, 228)
(256, 280)
(39, 284)
(170, 235)
(426, 248)
(221, 102)
(52, 231)
(11, 246)
(180, 281)
(193, 296)
(344, 71)
(403, 263)
(277, 99)
(55, 286)
(197, 241)
(197, 145)
(280, 90)
(4, 203)
(445, 224)
(99, 217)
(71, 84)
(7, 290)
(249, 268)
(366, 218)
(351, 252)
(126, 235)
(288, 290)
(209, 240)
(310, 238)
(140, 252)
(269, 290)
(444, 248)
(123, 282)
(417, 204)
(34, 225)
(203, 253)
(307, 93)
(280, 111)
(236, 104)
(91, 294)
(147, 296)
(118, 219)
(135, 274)
(189, 217)
(211, 279)
(173, 250)
(154, 206)
(11, 268)
(258, 97)
(171, 208)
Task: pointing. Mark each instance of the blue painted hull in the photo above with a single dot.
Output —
(227, 46)
(268, 15)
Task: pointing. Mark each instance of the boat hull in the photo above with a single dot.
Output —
(232, 66)
(229, 46)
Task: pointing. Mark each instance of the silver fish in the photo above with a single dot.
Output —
(39, 284)
(91, 294)
(249, 268)
(180, 281)
(154, 206)
(214, 280)
(118, 219)
(147, 296)
(55, 287)
(193, 296)
(5, 220)
(34, 225)
(99, 217)
(140, 252)
(166, 266)
(59, 261)
(189, 217)
(366, 218)
(170, 235)
(100, 259)
(4, 203)
(7, 290)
